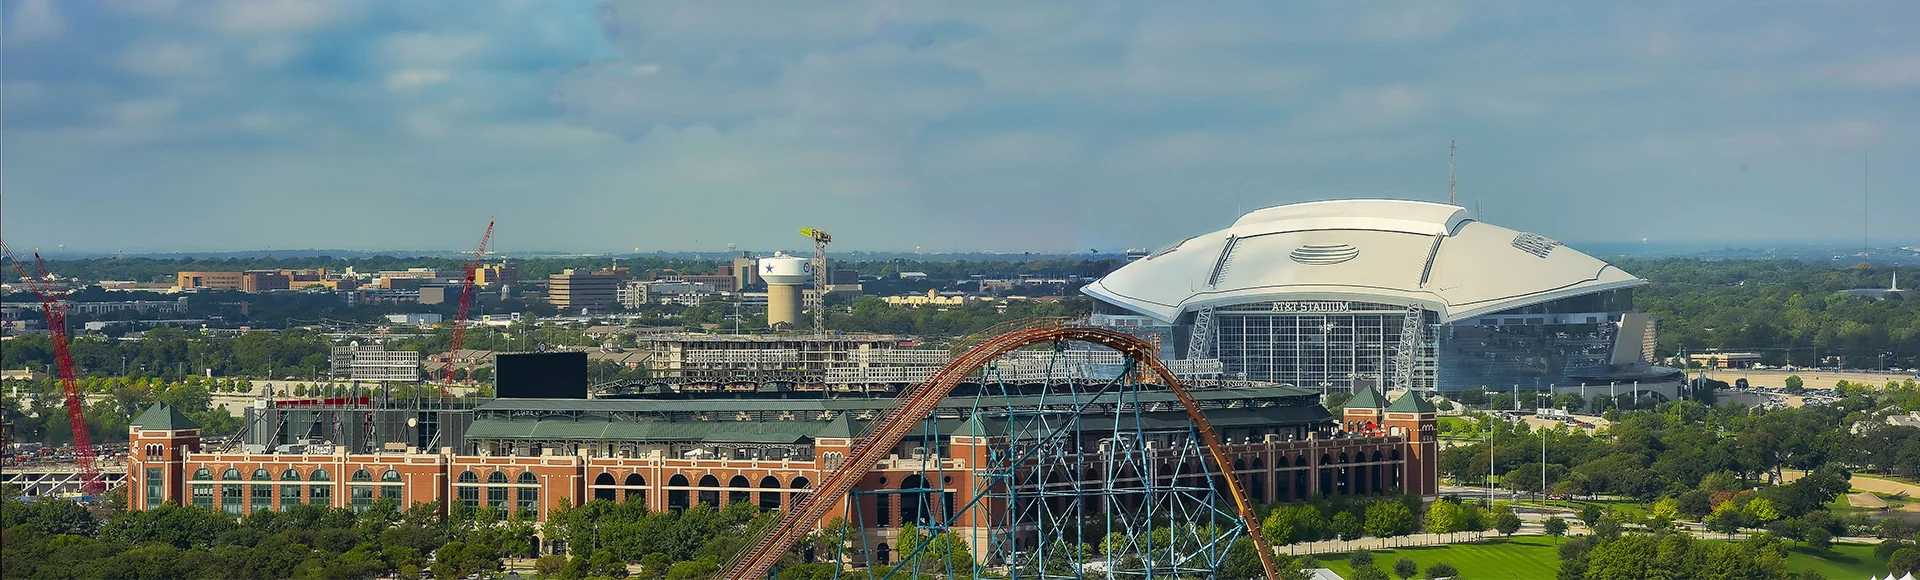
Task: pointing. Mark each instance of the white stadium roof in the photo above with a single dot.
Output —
(1367, 250)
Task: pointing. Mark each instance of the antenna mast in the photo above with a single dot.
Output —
(1453, 195)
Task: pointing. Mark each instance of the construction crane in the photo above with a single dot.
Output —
(466, 305)
(56, 314)
(818, 302)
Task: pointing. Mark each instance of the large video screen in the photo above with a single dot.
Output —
(547, 375)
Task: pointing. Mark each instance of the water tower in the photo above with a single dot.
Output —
(784, 275)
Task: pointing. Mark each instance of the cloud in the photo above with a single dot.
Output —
(34, 21)
(1891, 72)
(274, 17)
(1410, 21)
(415, 79)
(626, 123)
(430, 49)
(171, 59)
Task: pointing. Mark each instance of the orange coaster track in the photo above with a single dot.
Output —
(754, 562)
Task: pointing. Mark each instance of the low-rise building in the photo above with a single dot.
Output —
(209, 280)
(636, 294)
(574, 291)
(417, 319)
(372, 362)
(934, 298)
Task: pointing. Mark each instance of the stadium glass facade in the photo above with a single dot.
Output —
(1320, 345)
(1563, 342)
(1336, 346)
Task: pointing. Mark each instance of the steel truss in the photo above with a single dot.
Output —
(1071, 488)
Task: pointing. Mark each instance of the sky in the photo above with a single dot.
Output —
(1007, 126)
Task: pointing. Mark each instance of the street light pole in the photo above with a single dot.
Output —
(1489, 466)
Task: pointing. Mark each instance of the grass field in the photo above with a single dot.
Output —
(1538, 557)
(1523, 557)
(1842, 561)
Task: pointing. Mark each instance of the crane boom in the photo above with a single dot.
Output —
(63, 360)
(818, 303)
(466, 303)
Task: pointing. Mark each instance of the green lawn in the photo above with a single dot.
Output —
(1522, 557)
(1538, 557)
(1842, 561)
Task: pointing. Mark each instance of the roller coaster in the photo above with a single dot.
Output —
(1048, 496)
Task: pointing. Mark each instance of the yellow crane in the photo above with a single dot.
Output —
(818, 301)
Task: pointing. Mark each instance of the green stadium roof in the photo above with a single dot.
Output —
(1411, 402)
(1367, 398)
(163, 417)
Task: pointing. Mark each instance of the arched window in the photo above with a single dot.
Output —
(203, 492)
(497, 493)
(320, 493)
(913, 506)
(709, 495)
(261, 493)
(470, 492)
(529, 500)
(677, 493)
(390, 488)
(361, 496)
(636, 489)
(603, 486)
(289, 492)
(769, 493)
(231, 495)
(739, 490)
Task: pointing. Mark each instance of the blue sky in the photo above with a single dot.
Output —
(208, 125)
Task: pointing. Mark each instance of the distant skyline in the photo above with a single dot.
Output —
(600, 127)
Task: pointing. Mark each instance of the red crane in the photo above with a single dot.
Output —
(466, 304)
(76, 405)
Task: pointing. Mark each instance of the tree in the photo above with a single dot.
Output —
(1506, 523)
(1442, 570)
(1726, 519)
(1405, 568)
(1590, 513)
(1243, 563)
(1370, 573)
(1819, 538)
(1278, 527)
(1904, 561)
(1795, 384)
(1347, 526)
(1606, 527)
(1760, 511)
(1667, 508)
(1443, 517)
(1360, 558)
(1386, 519)
(1556, 527)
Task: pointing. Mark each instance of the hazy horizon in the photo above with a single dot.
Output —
(594, 127)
